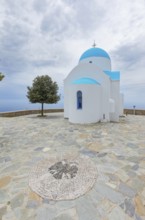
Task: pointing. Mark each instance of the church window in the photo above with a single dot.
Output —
(79, 100)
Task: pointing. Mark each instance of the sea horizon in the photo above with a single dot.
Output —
(23, 106)
(12, 106)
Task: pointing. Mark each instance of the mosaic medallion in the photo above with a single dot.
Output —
(63, 169)
(63, 179)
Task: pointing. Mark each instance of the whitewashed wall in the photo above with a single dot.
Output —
(102, 62)
(66, 100)
(112, 106)
(91, 103)
(90, 70)
(115, 95)
(121, 104)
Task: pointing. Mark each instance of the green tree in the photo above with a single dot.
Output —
(1, 76)
(43, 90)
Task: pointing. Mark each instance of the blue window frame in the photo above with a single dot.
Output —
(79, 100)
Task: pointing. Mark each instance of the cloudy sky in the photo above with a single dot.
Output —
(40, 37)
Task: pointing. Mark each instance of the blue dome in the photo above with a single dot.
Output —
(94, 52)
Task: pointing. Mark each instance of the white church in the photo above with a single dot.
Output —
(92, 90)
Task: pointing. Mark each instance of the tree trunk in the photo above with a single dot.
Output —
(42, 109)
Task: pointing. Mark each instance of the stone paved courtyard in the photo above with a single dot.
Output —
(116, 149)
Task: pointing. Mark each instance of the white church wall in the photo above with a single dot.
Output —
(66, 100)
(111, 105)
(115, 95)
(105, 96)
(121, 104)
(91, 103)
(94, 72)
(102, 62)
(85, 70)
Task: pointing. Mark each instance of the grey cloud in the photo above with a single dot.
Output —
(89, 15)
(130, 54)
(11, 7)
(15, 8)
(78, 20)
(70, 2)
(40, 63)
(13, 91)
(14, 35)
(40, 6)
(13, 40)
(12, 65)
(135, 96)
(56, 22)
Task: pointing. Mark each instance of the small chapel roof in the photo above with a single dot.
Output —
(114, 75)
(94, 52)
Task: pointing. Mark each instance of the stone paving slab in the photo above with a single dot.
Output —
(116, 149)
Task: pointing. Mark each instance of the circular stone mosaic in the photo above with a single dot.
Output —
(63, 179)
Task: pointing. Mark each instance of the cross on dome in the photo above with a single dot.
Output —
(94, 44)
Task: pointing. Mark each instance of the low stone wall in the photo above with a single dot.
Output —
(28, 112)
(134, 112)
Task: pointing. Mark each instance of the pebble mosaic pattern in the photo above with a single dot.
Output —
(63, 180)
(64, 169)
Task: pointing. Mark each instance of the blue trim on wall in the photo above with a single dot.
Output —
(114, 75)
(94, 52)
(85, 80)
